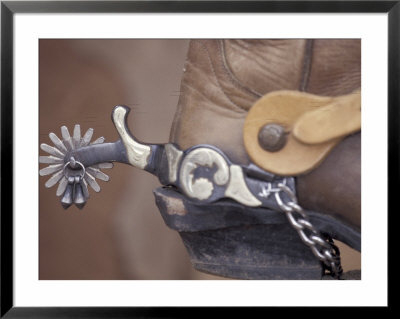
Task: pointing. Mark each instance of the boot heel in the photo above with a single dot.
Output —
(252, 252)
(231, 240)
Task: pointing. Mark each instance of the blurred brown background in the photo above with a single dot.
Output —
(120, 233)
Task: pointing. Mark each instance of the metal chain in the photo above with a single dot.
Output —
(321, 246)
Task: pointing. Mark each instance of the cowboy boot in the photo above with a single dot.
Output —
(228, 203)
(222, 81)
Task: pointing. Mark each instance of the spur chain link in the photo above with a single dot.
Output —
(321, 246)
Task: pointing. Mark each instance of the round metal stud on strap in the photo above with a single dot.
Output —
(290, 132)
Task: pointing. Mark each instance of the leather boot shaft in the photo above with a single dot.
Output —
(224, 78)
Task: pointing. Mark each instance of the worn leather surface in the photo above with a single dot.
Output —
(223, 78)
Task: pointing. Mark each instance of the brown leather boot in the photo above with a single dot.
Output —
(224, 78)
(252, 202)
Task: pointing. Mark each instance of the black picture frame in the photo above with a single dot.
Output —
(9, 8)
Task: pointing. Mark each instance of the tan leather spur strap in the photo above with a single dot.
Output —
(290, 132)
